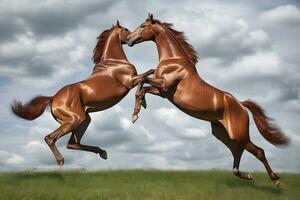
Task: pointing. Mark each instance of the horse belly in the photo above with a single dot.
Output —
(207, 114)
(101, 93)
(200, 102)
(104, 104)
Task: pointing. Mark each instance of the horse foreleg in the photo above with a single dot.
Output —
(140, 98)
(159, 83)
(141, 77)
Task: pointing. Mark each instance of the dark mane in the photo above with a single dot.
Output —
(188, 49)
(100, 45)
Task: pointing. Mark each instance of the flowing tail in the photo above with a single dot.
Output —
(31, 110)
(265, 126)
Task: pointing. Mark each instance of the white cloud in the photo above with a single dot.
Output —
(164, 146)
(243, 48)
(35, 147)
(15, 160)
(10, 160)
(221, 35)
(195, 133)
(156, 162)
(286, 16)
(182, 125)
(125, 123)
(171, 116)
(45, 61)
(259, 64)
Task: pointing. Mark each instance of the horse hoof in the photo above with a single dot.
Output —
(279, 183)
(144, 104)
(103, 155)
(250, 177)
(60, 162)
(134, 118)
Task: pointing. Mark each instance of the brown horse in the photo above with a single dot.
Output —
(176, 78)
(112, 78)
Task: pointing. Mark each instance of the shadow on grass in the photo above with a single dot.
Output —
(252, 185)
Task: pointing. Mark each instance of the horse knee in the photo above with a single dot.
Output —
(50, 141)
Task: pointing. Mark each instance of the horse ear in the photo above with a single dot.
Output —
(150, 17)
(118, 23)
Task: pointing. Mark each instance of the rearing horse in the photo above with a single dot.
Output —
(112, 78)
(176, 78)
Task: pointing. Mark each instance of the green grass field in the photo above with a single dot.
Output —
(140, 184)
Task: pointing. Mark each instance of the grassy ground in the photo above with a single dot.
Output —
(140, 185)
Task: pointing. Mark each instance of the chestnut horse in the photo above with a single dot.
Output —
(112, 78)
(176, 78)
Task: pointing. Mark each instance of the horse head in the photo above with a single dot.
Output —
(143, 32)
(123, 32)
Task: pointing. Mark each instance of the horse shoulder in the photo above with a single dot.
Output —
(124, 73)
(171, 72)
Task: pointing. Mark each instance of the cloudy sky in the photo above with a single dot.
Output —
(248, 48)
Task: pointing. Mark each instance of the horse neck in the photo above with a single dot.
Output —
(167, 45)
(113, 49)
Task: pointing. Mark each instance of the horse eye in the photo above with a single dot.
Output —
(143, 26)
(126, 29)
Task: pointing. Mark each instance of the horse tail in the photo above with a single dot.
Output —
(32, 109)
(265, 126)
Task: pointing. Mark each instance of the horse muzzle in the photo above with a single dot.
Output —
(130, 41)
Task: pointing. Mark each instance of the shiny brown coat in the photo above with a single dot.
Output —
(112, 78)
(176, 79)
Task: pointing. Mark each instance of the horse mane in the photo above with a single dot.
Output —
(181, 39)
(98, 50)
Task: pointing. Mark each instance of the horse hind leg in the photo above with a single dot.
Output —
(236, 121)
(77, 133)
(69, 112)
(219, 131)
(54, 136)
(260, 155)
